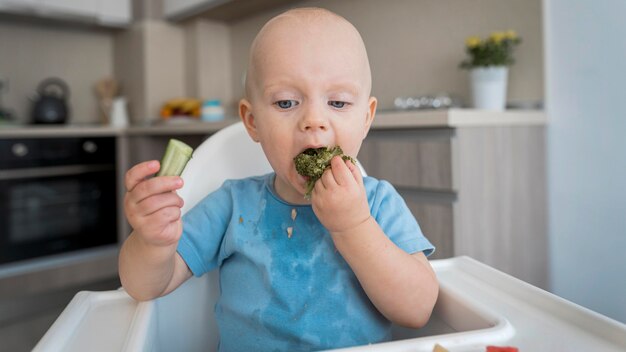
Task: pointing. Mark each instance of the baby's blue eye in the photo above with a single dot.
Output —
(286, 104)
(337, 104)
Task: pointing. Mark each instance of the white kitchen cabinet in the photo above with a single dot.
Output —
(18, 6)
(68, 9)
(223, 10)
(113, 13)
(183, 8)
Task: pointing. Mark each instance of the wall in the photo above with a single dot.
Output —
(426, 40)
(415, 46)
(585, 75)
(31, 52)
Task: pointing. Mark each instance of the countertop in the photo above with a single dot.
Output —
(384, 120)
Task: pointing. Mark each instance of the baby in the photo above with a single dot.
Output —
(331, 271)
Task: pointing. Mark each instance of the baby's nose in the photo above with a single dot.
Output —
(314, 120)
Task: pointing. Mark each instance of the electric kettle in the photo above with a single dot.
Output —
(50, 106)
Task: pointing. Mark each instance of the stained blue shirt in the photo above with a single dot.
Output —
(284, 286)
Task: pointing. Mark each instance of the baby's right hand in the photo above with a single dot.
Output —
(152, 206)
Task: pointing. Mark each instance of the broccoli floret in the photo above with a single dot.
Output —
(313, 161)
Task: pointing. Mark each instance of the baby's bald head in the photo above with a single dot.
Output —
(306, 31)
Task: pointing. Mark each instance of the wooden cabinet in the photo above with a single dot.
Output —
(434, 213)
(475, 190)
(425, 156)
(418, 162)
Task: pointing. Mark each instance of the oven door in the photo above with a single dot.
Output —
(54, 214)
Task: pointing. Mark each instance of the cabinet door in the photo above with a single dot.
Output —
(434, 214)
(420, 159)
(501, 213)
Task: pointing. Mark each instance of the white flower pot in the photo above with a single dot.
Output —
(488, 87)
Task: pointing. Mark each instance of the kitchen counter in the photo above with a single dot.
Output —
(138, 143)
(384, 120)
(457, 118)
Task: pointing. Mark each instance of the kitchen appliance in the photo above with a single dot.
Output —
(56, 195)
(50, 107)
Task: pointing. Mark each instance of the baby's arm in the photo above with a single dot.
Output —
(149, 265)
(402, 286)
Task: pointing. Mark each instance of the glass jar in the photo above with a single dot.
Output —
(212, 110)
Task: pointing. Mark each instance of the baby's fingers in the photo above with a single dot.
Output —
(154, 186)
(140, 172)
(355, 171)
(340, 171)
(157, 202)
(161, 227)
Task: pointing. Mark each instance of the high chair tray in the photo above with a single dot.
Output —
(477, 306)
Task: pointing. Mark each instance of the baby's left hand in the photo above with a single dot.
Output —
(339, 198)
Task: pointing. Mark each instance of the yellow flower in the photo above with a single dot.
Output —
(495, 50)
(510, 34)
(472, 42)
(497, 37)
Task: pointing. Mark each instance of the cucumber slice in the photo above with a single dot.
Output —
(176, 156)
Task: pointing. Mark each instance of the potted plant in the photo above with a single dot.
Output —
(488, 61)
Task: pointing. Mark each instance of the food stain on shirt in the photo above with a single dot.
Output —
(240, 219)
(294, 213)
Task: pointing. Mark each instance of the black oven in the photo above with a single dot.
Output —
(56, 195)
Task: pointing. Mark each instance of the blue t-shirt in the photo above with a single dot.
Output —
(284, 286)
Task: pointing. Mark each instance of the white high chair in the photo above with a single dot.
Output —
(477, 304)
(184, 319)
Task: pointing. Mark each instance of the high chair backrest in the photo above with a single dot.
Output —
(228, 154)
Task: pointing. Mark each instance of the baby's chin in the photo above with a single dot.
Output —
(296, 182)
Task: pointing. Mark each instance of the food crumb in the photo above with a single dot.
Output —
(289, 231)
(439, 348)
(240, 220)
(293, 214)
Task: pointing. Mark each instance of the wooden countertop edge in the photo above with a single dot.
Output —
(457, 118)
(383, 120)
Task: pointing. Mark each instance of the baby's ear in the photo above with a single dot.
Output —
(245, 113)
(371, 112)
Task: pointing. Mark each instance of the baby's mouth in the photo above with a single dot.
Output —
(312, 163)
(311, 150)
